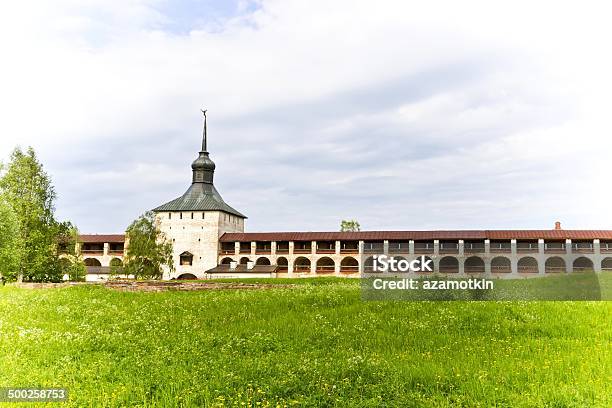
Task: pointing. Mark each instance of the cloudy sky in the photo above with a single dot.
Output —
(402, 115)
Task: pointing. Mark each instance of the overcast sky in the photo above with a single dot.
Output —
(402, 115)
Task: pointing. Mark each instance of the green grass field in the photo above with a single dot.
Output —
(315, 344)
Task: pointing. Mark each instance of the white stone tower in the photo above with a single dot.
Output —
(195, 221)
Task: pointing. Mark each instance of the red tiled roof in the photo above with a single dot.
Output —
(95, 238)
(416, 235)
(549, 234)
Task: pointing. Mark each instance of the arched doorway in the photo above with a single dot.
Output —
(91, 262)
(262, 261)
(368, 265)
(349, 265)
(326, 265)
(449, 264)
(474, 264)
(302, 264)
(528, 264)
(187, 276)
(606, 264)
(244, 260)
(554, 264)
(226, 261)
(583, 264)
(428, 261)
(283, 264)
(501, 264)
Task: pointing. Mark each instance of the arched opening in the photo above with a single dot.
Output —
(449, 264)
(186, 259)
(262, 261)
(474, 264)
(187, 276)
(302, 264)
(528, 264)
(244, 260)
(501, 264)
(116, 262)
(283, 264)
(368, 265)
(92, 262)
(349, 265)
(554, 264)
(226, 261)
(583, 264)
(325, 265)
(400, 264)
(429, 262)
(606, 264)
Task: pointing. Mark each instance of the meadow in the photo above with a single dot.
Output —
(313, 344)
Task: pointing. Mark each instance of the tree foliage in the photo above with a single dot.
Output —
(349, 226)
(29, 192)
(148, 251)
(11, 244)
(70, 261)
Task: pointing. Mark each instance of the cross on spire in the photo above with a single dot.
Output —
(204, 131)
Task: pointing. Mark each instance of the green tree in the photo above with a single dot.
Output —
(148, 250)
(27, 188)
(70, 261)
(11, 245)
(116, 268)
(349, 226)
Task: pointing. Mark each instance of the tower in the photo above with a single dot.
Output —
(195, 221)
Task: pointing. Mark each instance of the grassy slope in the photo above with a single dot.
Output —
(317, 343)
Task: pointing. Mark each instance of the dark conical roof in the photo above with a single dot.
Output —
(202, 195)
(199, 197)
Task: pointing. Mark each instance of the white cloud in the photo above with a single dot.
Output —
(496, 113)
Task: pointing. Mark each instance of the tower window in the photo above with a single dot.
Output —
(203, 215)
(181, 216)
(169, 216)
(186, 258)
(192, 216)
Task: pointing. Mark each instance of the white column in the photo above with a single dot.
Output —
(569, 265)
(597, 256)
(461, 257)
(487, 257)
(513, 258)
(541, 257)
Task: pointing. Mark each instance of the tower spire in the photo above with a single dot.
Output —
(204, 131)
